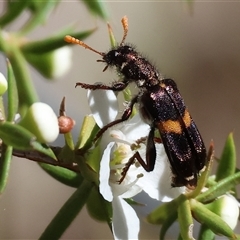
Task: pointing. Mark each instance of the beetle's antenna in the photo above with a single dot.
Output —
(125, 29)
(74, 40)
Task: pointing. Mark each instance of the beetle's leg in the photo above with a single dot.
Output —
(150, 151)
(150, 156)
(126, 114)
(117, 86)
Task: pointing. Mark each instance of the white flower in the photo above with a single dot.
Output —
(118, 142)
(116, 145)
(107, 102)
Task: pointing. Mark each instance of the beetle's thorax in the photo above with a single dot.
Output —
(132, 66)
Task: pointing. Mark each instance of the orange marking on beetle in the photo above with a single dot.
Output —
(187, 118)
(175, 126)
(170, 126)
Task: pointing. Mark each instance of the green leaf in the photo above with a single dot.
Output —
(164, 211)
(13, 10)
(35, 6)
(87, 133)
(52, 43)
(26, 91)
(180, 237)
(66, 155)
(69, 140)
(90, 164)
(220, 188)
(185, 220)
(97, 7)
(113, 41)
(43, 63)
(93, 158)
(68, 212)
(63, 175)
(16, 136)
(43, 148)
(20, 138)
(227, 163)
(5, 161)
(212, 220)
(172, 217)
(205, 233)
(132, 202)
(98, 207)
(39, 16)
(12, 94)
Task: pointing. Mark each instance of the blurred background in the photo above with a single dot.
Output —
(198, 46)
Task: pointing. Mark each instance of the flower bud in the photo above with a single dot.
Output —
(3, 84)
(41, 120)
(227, 208)
(52, 64)
(65, 124)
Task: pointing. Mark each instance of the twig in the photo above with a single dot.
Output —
(40, 157)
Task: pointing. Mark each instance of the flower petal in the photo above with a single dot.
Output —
(126, 224)
(104, 173)
(135, 128)
(157, 184)
(126, 190)
(104, 106)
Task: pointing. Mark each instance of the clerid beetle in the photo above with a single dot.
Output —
(161, 106)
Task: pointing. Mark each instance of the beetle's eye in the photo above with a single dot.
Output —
(116, 53)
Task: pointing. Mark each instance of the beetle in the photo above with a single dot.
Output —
(160, 105)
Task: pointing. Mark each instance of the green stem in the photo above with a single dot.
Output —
(68, 212)
(26, 91)
(5, 162)
(12, 94)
